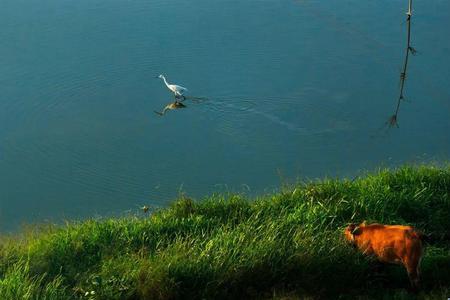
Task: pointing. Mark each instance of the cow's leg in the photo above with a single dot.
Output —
(412, 262)
(412, 267)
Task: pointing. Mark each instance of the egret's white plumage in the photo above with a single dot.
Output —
(176, 89)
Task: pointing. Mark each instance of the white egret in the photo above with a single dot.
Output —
(176, 89)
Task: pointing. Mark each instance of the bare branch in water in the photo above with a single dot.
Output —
(409, 49)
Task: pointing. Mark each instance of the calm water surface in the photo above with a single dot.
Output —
(295, 89)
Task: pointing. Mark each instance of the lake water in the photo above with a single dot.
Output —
(294, 89)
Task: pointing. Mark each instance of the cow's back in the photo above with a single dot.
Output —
(390, 243)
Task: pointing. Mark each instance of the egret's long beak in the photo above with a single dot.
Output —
(156, 76)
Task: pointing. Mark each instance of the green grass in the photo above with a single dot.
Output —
(287, 245)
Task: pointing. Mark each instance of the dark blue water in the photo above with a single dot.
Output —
(295, 89)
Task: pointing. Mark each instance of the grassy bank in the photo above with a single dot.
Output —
(285, 245)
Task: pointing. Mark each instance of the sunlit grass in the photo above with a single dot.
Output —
(286, 245)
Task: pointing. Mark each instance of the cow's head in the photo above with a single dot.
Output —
(351, 231)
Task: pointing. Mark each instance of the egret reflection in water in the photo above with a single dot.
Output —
(171, 106)
(179, 104)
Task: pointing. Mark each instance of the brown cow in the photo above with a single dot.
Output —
(389, 243)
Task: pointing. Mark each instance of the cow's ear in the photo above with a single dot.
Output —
(357, 231)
